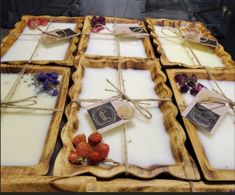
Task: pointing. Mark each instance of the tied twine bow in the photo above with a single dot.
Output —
(25, 103)
(136, 104)
(28, 102)
(136, 32)
(224, 100)
(121, 89)
(185, 35)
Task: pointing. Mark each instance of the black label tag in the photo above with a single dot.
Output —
(137, 29)
(208, 42)
(108, 113)
(205, 112)
(65, 32)
(103, 115)
(203, 117)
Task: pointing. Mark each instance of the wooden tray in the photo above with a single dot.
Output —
(8, 41)
(43, 166)
(91, 184)
(209, 172)
(219, 50)
(184, 167)
(86, 30)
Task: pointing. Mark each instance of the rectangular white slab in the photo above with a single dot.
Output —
(138, 84)
(220, 145)
(176, 51)
(23, 132)
(148, 140)
(57, 50)
(27, 42)
(94, 83)
(106, 45)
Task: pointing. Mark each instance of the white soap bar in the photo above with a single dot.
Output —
(57, 50)
(148, 140)
(219, 146)
(27, 42)
(23, 132)
(176, 51)
(94, 83)
(138, 84)
(22, 49)
(106, 45)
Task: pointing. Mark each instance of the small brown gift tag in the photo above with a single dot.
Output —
(110, 113)
(57, 35)
(207, 110)
(132, 31)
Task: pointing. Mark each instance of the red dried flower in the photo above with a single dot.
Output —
(103, 150)
(33, 23)
(83, 149)
(94, 138)
(94, 157)
(43, 21)
(79, 139)
(74, 158)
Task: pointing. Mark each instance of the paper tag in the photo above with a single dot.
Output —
(110, 113)
(195, 36)
(206, 115)
(137, 32)
(57, 35)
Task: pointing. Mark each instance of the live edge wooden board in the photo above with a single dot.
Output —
(43, 165)
(184, 166)
(183, 178)
(210, 173)
(15, 33)
(219, 50)
(86, 33)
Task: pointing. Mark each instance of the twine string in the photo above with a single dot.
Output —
(24, 103)
(121, 89)
(179, 34)
(136, 104)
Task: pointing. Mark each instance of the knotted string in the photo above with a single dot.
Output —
(121, 89)
(136, 35)
(24, 103)
(179, 34)
(143, 111)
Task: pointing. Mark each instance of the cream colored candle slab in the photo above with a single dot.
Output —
(176, 51)
(106, 45)
(147, 140)
(95, 78)
(27, 42)
(220, 145)
(23, 132)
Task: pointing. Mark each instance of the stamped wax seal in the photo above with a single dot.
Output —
(125, 112)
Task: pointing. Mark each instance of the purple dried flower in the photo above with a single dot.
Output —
(181, 79)
(195, 90)
(41, 76)
(54, 82)
(184, 88)
(53, 75)
(101, 20)
(95, 21)
(55, 92)
(192, 81)
(46, 86)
